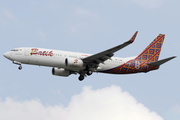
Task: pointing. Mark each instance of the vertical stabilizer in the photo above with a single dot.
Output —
(152, 52)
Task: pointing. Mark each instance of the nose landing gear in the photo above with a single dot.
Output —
(18, 63)
(20, 67)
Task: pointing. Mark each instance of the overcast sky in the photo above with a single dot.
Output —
(89, 26)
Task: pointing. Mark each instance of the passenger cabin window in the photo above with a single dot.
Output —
(14, 50)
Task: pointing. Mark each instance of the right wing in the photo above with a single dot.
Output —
(107, 54)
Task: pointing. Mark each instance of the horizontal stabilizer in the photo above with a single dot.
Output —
(160, 62)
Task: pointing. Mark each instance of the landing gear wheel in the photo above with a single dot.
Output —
(20, 67)
(89, 72)
(81, 77)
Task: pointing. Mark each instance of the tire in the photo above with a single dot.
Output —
(89, 72)
(81, 77)
(20, 67)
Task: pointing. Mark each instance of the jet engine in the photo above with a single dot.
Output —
(60, 72)
(73, 62)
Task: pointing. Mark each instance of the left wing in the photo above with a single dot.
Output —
(107, 54)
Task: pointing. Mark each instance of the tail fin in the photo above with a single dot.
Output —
(152, 52)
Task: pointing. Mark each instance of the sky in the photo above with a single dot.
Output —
(89, 26)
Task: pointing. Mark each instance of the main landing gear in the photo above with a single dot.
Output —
(89, 72)
(81, 77)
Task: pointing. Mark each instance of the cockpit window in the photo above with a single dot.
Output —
(14, 50)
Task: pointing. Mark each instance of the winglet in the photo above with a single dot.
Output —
(133, 37)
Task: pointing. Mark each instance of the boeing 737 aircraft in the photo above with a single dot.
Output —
(66, 63)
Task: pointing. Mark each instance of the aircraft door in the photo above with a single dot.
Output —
(26, 56)
(26, 52)
(137, 64)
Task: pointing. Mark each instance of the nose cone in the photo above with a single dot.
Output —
(7, 55)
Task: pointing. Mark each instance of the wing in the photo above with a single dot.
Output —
(107, 54)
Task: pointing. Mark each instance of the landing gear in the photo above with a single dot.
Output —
(20, 67)
(89, 72)
(18, 63)
(84, 73)
(81, 77)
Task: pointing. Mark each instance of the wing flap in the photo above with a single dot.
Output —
(160, 62)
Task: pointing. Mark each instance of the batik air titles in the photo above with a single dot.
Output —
(65, 63)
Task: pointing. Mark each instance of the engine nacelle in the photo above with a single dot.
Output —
(73, 62)
(60, 72)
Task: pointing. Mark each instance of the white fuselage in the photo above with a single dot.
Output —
(56, 58)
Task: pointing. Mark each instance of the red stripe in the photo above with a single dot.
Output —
(150, 58)
(149, 47)
(154, 55)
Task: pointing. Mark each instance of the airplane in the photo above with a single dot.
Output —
(65, 63)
